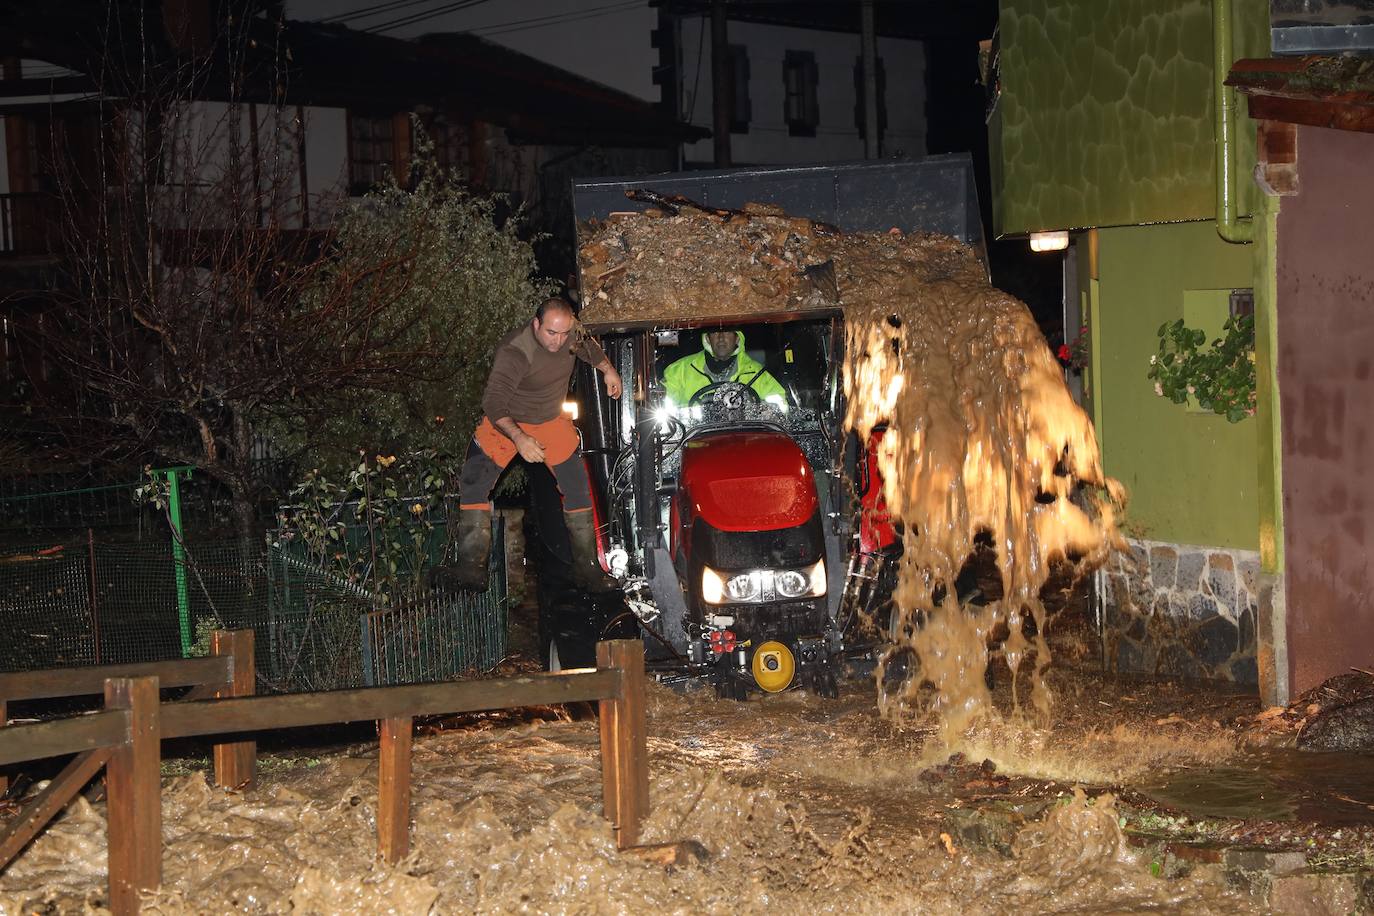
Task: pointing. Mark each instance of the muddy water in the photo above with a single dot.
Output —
(982, 437)
(1330, 788)
(802, 803)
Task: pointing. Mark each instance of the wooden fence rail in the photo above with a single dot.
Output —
(227, 672)
(126, 739)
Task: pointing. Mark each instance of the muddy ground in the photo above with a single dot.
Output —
(801, 803)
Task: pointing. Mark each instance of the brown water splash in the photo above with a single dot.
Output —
(983, 438)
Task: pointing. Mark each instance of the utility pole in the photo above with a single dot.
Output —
(722, 84)
(868, 40)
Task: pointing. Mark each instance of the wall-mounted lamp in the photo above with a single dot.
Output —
(1049, 241)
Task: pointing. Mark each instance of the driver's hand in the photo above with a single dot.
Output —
(613, 383)
(530, 449)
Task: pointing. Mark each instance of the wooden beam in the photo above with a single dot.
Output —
(4, 720)
(624, 750)
(40, 740)
(1315, 113)
(134, 831)
(241, 714)
(75, 682)
(1276, 151)
(393, 789)
(236, 761)
(53, 798)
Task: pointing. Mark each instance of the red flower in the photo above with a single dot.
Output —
(1065, 354)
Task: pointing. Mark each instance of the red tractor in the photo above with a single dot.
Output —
(747, 530)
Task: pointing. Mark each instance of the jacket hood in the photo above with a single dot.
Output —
(706, 344)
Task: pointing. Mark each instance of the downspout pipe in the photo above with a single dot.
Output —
(1230, 227)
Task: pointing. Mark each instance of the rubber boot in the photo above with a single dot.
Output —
(586, 568)
(472, 545)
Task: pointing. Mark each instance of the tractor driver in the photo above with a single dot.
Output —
(722, 359)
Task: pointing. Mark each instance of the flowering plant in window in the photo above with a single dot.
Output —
(1219, 377)
(1074, 355)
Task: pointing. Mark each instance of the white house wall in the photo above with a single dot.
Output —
(837, 138)
(326, 161)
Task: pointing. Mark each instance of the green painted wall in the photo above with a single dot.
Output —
(1105, 116)
(1192, 476)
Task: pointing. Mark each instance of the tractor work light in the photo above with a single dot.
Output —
(755, 586)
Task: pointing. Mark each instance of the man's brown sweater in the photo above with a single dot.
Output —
(527, 382)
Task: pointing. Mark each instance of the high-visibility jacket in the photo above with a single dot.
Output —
(685, 377)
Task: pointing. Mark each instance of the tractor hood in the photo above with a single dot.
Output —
(757, 480)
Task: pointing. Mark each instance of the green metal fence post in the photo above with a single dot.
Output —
(173, 476)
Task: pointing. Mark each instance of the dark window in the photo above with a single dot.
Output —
(799, 78)
(740, 109)
(371, 151)
(451, 142)
(859, 97)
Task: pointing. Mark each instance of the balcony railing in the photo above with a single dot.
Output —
(29, 224)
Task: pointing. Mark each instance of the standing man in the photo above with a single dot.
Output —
(523, 414)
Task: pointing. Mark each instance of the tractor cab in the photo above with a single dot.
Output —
(719, 506)
(743, 524)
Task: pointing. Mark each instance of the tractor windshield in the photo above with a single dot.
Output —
(781, 377)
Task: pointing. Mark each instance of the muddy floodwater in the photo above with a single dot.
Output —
(802, 804)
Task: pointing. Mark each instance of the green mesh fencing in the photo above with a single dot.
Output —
(86, 602)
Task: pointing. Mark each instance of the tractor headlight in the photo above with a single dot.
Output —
(757, 585)
(743, 587)
(791, 584)
(712, 586)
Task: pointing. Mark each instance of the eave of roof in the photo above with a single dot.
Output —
(1318, 90)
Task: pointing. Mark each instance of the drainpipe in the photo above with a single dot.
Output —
(1229, 226)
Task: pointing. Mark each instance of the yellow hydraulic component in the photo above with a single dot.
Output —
(773, 666)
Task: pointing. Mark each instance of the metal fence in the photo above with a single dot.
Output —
(84, 601)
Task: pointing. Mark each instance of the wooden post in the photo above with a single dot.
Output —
(393, 789)
(134, 831)
(624, 752)
(236, 762)
(4, 720)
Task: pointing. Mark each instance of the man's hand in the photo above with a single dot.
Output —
(529, 448)
(613, 384)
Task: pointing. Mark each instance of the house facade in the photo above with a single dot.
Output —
(796, 92)
(312, 115)
(1112, 121)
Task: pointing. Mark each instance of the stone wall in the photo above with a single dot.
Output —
(1173, 610)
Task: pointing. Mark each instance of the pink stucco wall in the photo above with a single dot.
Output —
(1326, 384)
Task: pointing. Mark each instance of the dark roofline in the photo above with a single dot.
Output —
(306, 63)
(919, 20)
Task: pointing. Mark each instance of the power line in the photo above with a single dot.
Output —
(416, 18)
(374, 9)
(545, 21)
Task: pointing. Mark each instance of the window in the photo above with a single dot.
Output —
(740, 109)
(371, 151)
(859, 98)
(451, 140)
(799, 78)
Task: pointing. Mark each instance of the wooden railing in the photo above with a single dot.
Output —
(227, 672)
(125, 739)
